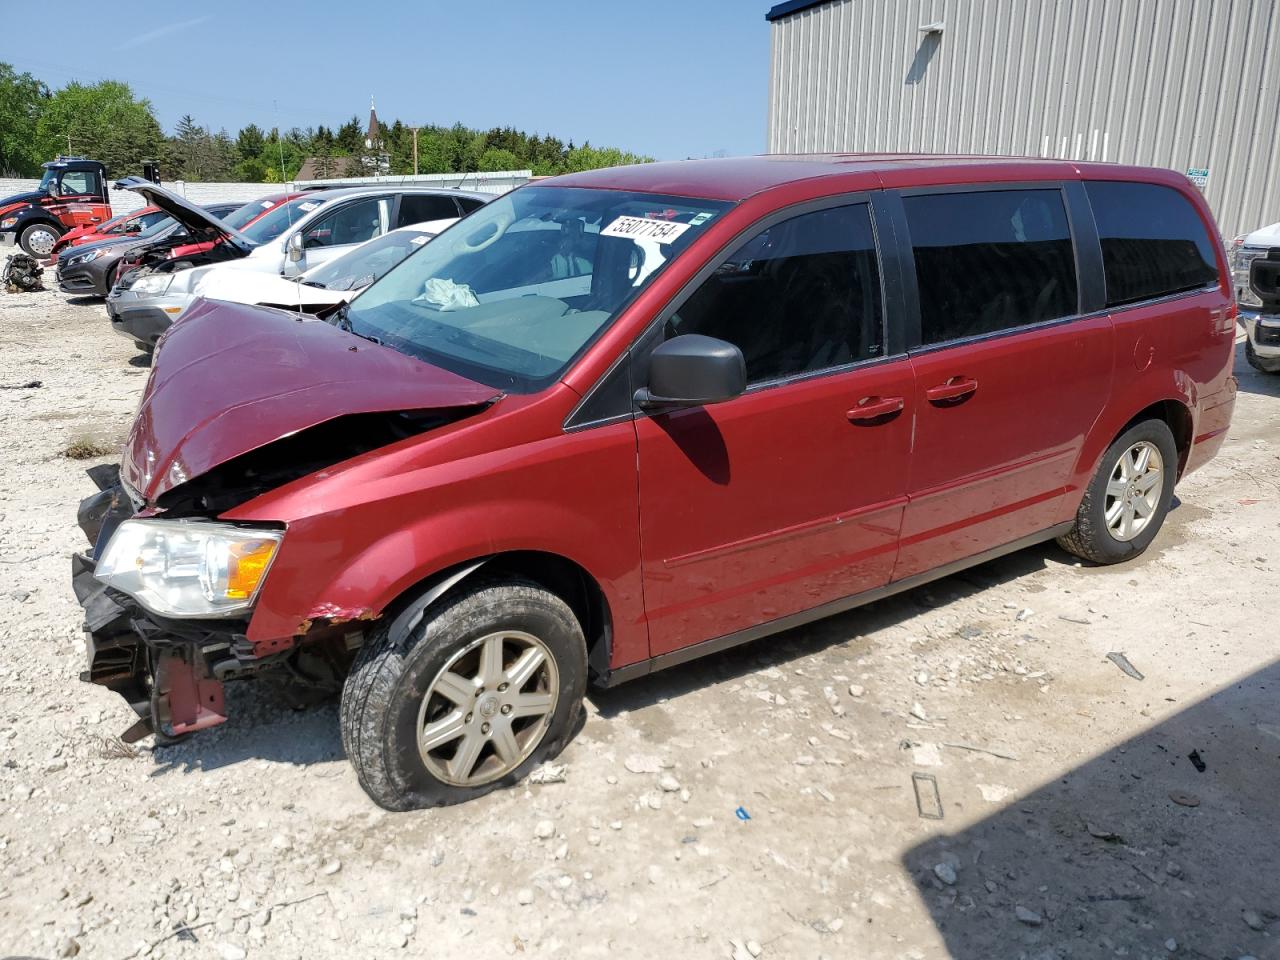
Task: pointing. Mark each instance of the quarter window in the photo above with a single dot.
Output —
(988, 261)
(1153, 242)
(423, 207)
(802, 295)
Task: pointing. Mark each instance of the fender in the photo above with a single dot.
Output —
(32, 214)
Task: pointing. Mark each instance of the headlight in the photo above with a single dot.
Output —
(85, 257)
(188, 568)
(152, 285)
(8, 222)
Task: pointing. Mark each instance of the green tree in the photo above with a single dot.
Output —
(495, 159)
(22, 97)
(251, 142)
(104, 121)
(349, 139)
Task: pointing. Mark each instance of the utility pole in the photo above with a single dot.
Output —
(415, 149)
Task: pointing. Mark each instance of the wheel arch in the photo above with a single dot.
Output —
(40, 219)
(565, 578)
(1177, 417)
(1172, 406)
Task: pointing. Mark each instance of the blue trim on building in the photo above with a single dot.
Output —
(780, 10)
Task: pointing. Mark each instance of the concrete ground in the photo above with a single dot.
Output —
(759, 803)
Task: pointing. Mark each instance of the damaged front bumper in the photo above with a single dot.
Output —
(170, 673)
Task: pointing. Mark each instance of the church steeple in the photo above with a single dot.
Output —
(373, 136)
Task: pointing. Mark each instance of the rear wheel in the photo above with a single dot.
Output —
(1128, 498)
(38, 240)
(470, 696)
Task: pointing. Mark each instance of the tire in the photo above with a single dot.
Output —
(392, 692)
(1096, 539)
(1259, 364)
(38, 240)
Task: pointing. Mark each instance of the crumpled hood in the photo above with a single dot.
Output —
(229, 379)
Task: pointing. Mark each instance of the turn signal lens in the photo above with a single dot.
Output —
(246, 566)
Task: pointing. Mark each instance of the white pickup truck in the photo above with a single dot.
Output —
(1261, 324)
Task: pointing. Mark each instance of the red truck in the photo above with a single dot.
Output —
(72, 193)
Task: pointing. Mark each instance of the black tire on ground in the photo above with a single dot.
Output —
(1259, 364)
(30, 233)
(397, 664)
(1090, 538)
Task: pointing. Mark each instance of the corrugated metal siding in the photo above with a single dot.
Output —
(1169, 83)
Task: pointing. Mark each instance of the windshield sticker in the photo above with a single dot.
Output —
(700, 219)
(420, 240)
(641, 228)
(308, 206)
(268, 204)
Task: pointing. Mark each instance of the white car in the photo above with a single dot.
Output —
(156, 301)
(1262, 327)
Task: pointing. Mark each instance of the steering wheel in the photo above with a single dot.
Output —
(500, 225)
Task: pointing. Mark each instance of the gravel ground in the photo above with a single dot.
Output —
(758, 803)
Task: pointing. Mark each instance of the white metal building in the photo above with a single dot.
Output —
(1193, 85)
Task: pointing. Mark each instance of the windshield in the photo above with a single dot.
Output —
(513, 293)
(161, 225)
(241, 216)
(275, 222)
(369, 261)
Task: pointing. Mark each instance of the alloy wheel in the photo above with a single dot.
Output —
(488, 708)
(1133, 490)
(41, 243)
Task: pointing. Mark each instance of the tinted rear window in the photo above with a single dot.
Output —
(1153, 241)
(990, 260)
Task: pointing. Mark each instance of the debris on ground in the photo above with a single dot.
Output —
(550, 773)
(928, 798)
(22, 273)
(1194, 757)
(1121, 661)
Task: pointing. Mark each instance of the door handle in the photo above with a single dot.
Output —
(955, 389)
(873, 408)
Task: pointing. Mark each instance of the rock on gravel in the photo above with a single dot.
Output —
(1029, 917)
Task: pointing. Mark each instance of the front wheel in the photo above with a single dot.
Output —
(468, 697)
(38, 240)
(1128, 498)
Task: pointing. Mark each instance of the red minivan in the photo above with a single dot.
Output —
(623, 418)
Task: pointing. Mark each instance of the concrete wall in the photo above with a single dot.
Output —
(495, 183)
(123, 201)
(1184, 84)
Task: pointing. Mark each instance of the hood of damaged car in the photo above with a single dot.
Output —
(198, 221)
(229, 379)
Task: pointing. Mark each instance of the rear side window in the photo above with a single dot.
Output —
(800, 296)
(420, 207)
(988, 261)
(1153, 241)
(469, 203)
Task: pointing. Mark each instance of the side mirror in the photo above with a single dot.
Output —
(295, 248)
(133, 226)
(693, 371)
